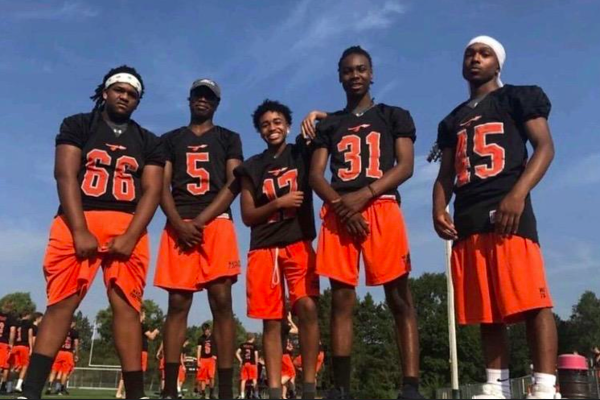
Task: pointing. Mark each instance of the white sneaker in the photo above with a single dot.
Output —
(490, 392)
(543, 392)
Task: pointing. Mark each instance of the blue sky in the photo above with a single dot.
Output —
(55, 53)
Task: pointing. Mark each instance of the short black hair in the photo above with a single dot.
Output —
(274, 106)
(354, 50)
(97, 96)
(37, 315)
(205, 326)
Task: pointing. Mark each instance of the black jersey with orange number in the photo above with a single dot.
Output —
(362, 148)
(199, 166)
(22, 333)
(111, 169)
(206, 346)
(6, 322)
(248, 353)
(489, 142)
(69, 344)
(275, 177)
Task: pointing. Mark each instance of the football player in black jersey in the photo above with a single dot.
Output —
(371, 149)
(8, 330)
(206, 356)
(19, 358)
(199, 247)
(497, 265)
(277, 204)
(109, 173)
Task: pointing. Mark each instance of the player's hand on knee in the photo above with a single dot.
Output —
(508, 215)
(122, 246)
(86, 244)
(307, 128)
(444, 226)
(358, 226)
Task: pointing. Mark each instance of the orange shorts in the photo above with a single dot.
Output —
(181, 377)
(264, 285)
(4, 356)
(287, 366)
(161, 368)
(249, 372)
(385, 251)
(216, 257)
(67, 275)
(64, 362)
(320, 359)
(497, 279)
(206, 370)
(144, 361)
(19, 357)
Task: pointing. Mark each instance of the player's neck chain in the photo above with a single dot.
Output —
(359, 113)
(118, 129)
(475, 102)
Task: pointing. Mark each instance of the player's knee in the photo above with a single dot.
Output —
(221, 304)
(399, 305)
(306, 310)
(179, 306)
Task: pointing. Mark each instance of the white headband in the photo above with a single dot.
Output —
(496, 46)
(124, 78)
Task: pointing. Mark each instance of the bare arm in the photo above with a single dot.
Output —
(152, 178)
(187, 233)
(405, 159)
(355, 223)
(293, 326)
(442, 194)
(11, 336)
(67, 162)
(237, 355)
(76, 343)
(198, 352)
(253, 215)
(31, 341)
(224, 198)
(511, 207)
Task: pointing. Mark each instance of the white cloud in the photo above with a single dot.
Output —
(70, 9)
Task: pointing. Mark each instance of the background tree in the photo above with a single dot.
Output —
(19, 302)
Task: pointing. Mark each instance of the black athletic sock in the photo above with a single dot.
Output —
(309, 390)
(225, 383)
(211, 392)
(411, 382)
(37, 374)
(134, 384)
(275, 393)
(171, 374)
(342, 369)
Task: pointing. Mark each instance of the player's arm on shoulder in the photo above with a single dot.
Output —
(67, 163)
(224, 198)
(152, 181)
(442, 194)
(308, 126)
(511, 207)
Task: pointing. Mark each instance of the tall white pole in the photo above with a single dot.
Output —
(452, 321)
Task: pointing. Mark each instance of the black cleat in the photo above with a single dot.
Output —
(410, 392)
(338, 393)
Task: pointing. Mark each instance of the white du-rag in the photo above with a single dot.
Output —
(124, 78)
(496, 46)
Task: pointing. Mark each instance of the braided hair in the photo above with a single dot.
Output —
(355, 50)
(97, 97)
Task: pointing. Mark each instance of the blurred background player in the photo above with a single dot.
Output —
(247, 355)
(207, 363)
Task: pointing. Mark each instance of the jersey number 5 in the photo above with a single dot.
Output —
(482, 148)
(351, 145)
(195, 171)
(95, 181)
